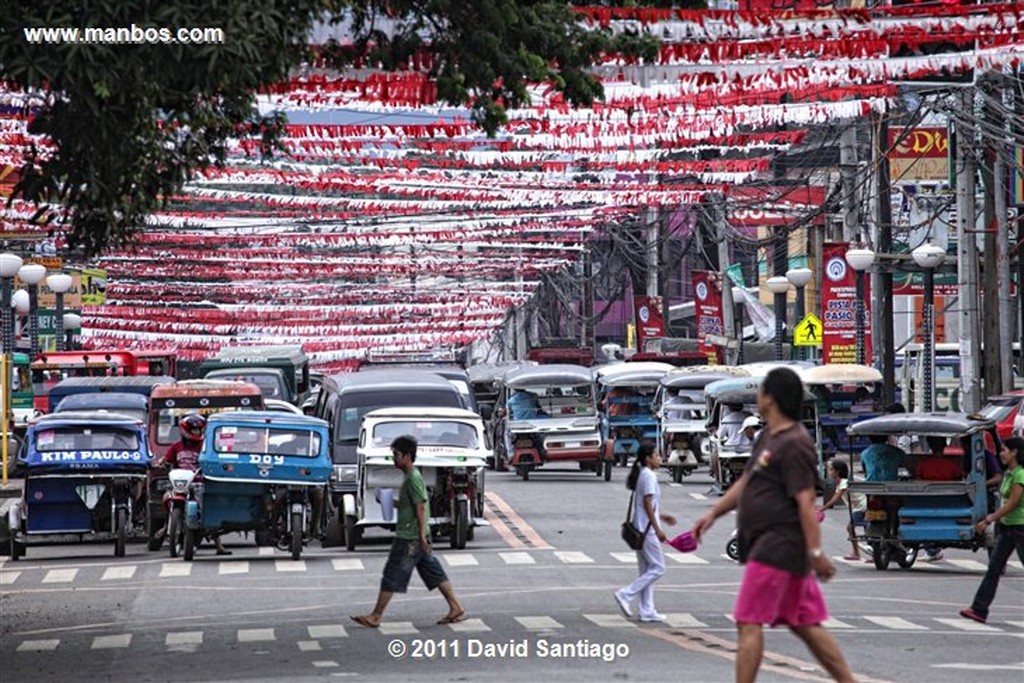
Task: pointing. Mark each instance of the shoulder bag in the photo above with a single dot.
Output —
(633, 538)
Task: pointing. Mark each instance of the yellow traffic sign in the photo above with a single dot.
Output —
(808, 332)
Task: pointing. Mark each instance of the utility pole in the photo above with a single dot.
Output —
(967, 256)
(586, 328)
(992, 354)
(848, 176)
(884, 340)
(728, 317)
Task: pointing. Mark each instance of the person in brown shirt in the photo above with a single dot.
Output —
(779, 537)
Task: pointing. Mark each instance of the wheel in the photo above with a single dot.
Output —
(334, 532)
(882, 555)
(121, 532)
(470, 532)
(460, 525)
(350, 532)
(17, 550)
(732, 549)
(190, 544)
(906, 558)
(174, 528)
(524, 472)
(677, 474)
(296, 535)
(154, 543)
(608, 464)
(599, 467)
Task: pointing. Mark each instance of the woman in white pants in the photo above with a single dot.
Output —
(643, 481)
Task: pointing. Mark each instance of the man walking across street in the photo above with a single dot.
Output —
(780, 541)
(411, 547)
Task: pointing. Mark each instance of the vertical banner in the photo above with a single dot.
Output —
(650, 323)
(839, 307)
(708, 309)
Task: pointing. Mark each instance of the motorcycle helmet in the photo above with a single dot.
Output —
(192, 426)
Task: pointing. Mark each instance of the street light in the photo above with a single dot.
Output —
(799, 278)
(928, 257)
(72, 323)
(779, 285)
(32, 274)
(59, 283)
(9, 266)
(860, 259)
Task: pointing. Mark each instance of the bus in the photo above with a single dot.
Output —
(945, 378)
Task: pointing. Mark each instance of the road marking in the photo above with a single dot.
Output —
(502, 529)
(573, 557)
(981, 667)
(38, 645)
(625, 557)
(685, 558)
(266, 551)
(236, 567)
(178, 568)
(835, 623)
(968, 625)
(518, 558)
(327, 631)
(539, 623)
(325, 664)
(969, 564)
(309, 646)
(609, 620)
(396, 628)
(7, 578)
(251, 635)
(698, 496)
(111, 642)
(683, 620)
(115, 573)
(470, 626)
(184, 638)
(466, 560)
(346, 565)
(1018, 624)
(60, 576)
(896, 624)
(290, 565)
(523, 531)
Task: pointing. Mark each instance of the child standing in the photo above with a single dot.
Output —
(839, 472)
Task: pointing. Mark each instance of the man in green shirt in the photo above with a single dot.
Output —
(411, 547)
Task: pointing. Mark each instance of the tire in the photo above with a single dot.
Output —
(882, 555)
(296, 535)
(190, 544)
(470, 532)
(732, 549)
(17, 550)
(350, 532)
(334, 532)
(524, 472)
(460, 525)
(174, 531)
(608, 464)
(120, 531)
(907, 558)
(154, 543)
(599, 467)
(677, 475)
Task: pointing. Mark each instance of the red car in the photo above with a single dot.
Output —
(1007, 411)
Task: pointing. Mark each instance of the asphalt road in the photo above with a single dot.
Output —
(537, 586)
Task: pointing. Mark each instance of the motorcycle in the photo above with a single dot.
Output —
(175, 500)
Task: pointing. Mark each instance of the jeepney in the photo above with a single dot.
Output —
(281, 372)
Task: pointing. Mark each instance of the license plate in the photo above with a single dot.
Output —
(573, 444)
(875, 515)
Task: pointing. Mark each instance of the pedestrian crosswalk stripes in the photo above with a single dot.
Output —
(118, 573)
(175, 569)
(517, 558)
(310, 637)
(290, 565)
(60, 576)
(462, 560)
(237, 567)
(572, 557)
(8, 577)
(968, 564)
(347, 564)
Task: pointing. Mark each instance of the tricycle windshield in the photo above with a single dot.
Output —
(266, 440)
(167, 421)
(427, 433)
(74, 438)
(552, 401)
(271, 384)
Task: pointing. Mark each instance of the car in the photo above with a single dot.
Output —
(1007, 411)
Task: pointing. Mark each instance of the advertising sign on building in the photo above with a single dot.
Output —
(94, 286)
(838, 307)
(650, 323)
(922, 155)
(708, 309)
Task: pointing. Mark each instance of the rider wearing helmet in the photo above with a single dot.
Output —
(184, 455)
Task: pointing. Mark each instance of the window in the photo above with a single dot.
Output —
(428, 433)
(86, 439)
(266, 441)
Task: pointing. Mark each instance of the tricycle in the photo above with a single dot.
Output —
(626, 396)
(83, 472)
(451, 456)
(926, 511)
(264, 472)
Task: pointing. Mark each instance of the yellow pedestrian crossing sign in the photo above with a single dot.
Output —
(808, 332)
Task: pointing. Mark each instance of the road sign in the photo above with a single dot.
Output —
(808, 332)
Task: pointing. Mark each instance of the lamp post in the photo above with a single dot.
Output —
(860, 259)
(928, 257)
(60, 283)
(20, 304)
(72, 324)
(10, 264)
(779, 285)
(799, 278)
(32, 274)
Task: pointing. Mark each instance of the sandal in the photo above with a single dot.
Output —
(453, 618)
(364, 621)
(851, 558)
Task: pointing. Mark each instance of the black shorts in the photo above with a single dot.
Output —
(404, 557)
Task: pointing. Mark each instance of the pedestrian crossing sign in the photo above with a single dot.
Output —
(808, 332)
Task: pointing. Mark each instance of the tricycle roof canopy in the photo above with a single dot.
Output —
(548, 375)
(922, 424)
(114, 383)
(85, 418)
(412, 413)
(698, 380)
(740, 390)
(763, 368)
(646, 366)
(490, 372)
(257, 354)
(840, 373)
(641, 378)
(266, 417)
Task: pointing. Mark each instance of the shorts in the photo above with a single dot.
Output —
(772, 596)
(404, 557)
(858, 518)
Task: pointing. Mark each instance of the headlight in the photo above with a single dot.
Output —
(346, 472)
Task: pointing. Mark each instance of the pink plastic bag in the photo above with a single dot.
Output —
(684, 542)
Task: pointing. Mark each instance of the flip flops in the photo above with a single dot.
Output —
(364, 621)
(453, 618)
